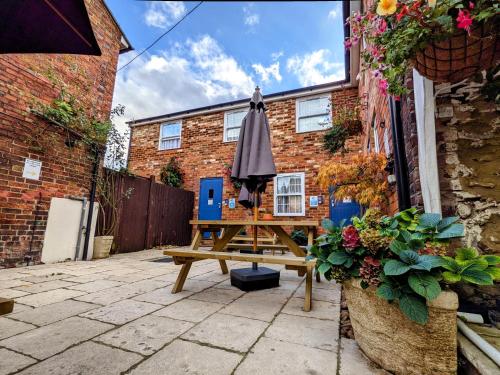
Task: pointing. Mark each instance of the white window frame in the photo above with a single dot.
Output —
(375, 138)
(160, 137)
(297, 117)
(302, 181)
(224, 137)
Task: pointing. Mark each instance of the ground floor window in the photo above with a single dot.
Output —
(289, 194)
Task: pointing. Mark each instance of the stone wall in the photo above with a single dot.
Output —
(66, 171)
(203, 153)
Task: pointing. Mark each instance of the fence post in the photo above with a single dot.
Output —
(148, 240)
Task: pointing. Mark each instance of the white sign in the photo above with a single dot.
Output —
(32, 169)
(313, 201)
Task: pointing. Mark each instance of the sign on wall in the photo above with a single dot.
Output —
(313, 201)
(32, 169)
(232, 203)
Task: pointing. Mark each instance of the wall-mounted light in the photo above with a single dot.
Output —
(382, 124)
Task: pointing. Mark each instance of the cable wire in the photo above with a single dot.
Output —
(161, 36)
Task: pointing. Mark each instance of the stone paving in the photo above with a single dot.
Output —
(118, 316)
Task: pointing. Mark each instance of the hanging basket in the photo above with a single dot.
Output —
(462, 55)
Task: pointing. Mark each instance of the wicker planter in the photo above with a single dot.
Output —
(354, 127)
(462, 55)
(399, 345)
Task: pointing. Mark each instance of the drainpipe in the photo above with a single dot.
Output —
(93, 188)
(80, 227)
(401, 164)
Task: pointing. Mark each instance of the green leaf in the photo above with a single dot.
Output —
(338, 258)
(405, 235)
(429, 220)
(395, 267)
(405, 216)
(466, 253)
(348, 263)
(397, 247)
(324, 267)
(328, 225)
(385, 291)
(446, 222)
(475, 276)
(451, 277)
(427, 262)
(409, 257)
(454, 230)
(414, 308)
(425, 285)
(492, 260)
(494, 272)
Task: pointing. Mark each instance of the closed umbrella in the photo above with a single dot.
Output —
(253, 166)
(46, 26)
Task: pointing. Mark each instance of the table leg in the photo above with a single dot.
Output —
(229, 233)
(287, 240)
(181, 278)
(308, 294)
(195, 244)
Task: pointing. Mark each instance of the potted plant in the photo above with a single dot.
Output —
(396, 274)
(345, 123)
(445, 40)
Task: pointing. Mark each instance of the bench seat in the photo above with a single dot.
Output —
(187, 257)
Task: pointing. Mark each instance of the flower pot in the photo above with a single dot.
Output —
(102, 246)
(396, 343)
(354, 127)
(461, 55)
(267, 217)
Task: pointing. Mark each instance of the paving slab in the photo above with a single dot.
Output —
(354, 362)
(262, 306)
(163, 296)
(218, 295)
(10, 327)
(197, 285)
(89, 358)
(18, 307)
(226, 331)
(187, 358)
(331, 294)
(44, 279)
(272, 357)
(12, 361)
(189, 309)
(86, 278)
(12, 293)
(96, 286)
(51, 296)
(311, 332)
(43, 287)
(7, 274)
(51, 339)
(215, 276)
(145, 335)
(319, 309)
(52, 313)
(7, 284)
(121, 312)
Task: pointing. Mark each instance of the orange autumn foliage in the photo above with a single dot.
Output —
(363, 179)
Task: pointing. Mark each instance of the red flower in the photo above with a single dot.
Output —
(471, 5)
(350, 238)
(464, 20)
(403, 12)
(383, 85)
(370, 271)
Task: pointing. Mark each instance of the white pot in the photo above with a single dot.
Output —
(102, 246)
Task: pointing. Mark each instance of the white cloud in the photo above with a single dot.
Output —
(272, 71)
(251, 18)
(276, 55)
(314, 68)
(335, 12)
(162, 14)
(197, 74)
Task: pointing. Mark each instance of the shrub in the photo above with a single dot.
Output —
(171, 174)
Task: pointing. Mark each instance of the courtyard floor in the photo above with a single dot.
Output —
(118, 315)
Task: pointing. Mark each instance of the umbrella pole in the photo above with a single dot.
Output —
(255, 228)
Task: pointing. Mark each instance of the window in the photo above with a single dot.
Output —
(313, 114)
(289, 197)
(232, 125)
(387, 148)
(375, 139)
(170, 136)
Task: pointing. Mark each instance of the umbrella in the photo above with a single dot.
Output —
(253, 162)
(46, 26)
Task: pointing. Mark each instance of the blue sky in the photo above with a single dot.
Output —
(222, 50)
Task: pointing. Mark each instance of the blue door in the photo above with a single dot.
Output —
(343, 210)
(210, 205)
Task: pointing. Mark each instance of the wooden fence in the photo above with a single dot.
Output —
(154, 214)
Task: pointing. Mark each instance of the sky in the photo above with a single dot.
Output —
(222, 50)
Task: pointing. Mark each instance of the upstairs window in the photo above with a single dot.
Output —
(313, 114)
(232, 125)
(170, 136)
(289, 197)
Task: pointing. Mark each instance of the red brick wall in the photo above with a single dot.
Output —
(25, 79)
(203, 153)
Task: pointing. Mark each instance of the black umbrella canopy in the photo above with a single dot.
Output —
(253, 162)
(46, 26)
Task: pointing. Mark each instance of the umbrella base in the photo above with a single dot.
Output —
(248, 279)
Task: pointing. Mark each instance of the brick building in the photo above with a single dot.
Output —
(204, 140)
(65, 171)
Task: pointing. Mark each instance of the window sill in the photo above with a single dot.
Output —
(284, 215)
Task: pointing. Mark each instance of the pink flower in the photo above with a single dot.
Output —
(464, 20)
(403, 12)
(350, 238)
(382, 26)
(383, 85)
(347, 43)
(471, 5)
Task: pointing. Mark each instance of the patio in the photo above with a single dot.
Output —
(118, 315)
